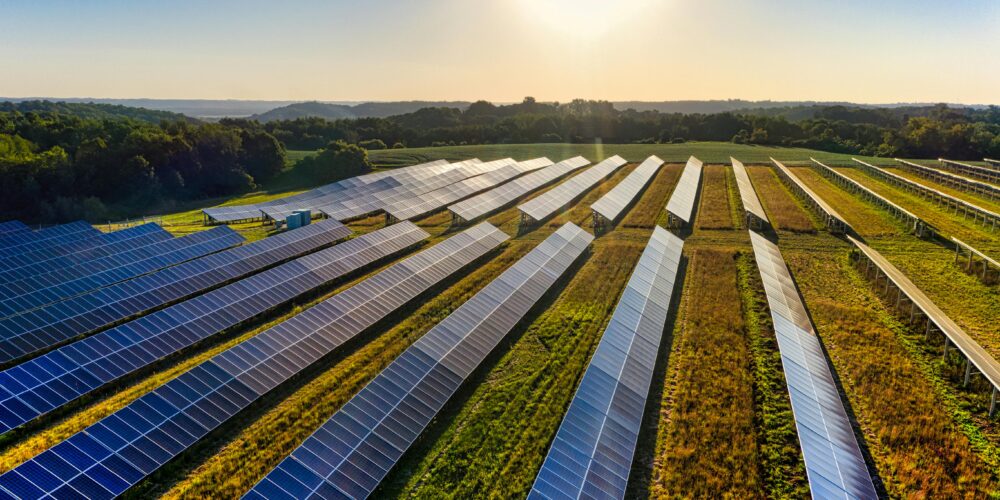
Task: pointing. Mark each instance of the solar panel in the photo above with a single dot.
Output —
(27, 241)
(591, 455)
(544, 206)
(350, 454)
(835, 222)
(986, 173)
(60, 284)
(364, 187)
(12, 226)
(128, 445)
(50, 259)
(919, 226)
(960, 182)
(994, 164)
(41, 328)
(235, 213)
(47, 382)
(507, 193)
(377, 201)
(833, 460)
(753, 211)
(680, 207)
(614, 202)
(979, 214)
(426, 203)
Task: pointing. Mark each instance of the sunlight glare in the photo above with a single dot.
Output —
(583, 19)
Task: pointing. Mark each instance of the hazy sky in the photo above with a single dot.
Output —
(503, 50)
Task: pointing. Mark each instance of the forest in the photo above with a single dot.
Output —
(67, 161)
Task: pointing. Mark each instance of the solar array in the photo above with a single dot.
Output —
(978, 357)
(53, 324)
(591, 455)
(28, 241)
(834, 464)
(545, 205)
(350, 454)
(610, 206)
(985, 173)
(979, 214)
(47, 382)
(985, 189)
(400, 185)
(235, 213)
(831, 218)
(482, 204)
(49, 259)
(60, 284)
(378, 201)
(680, 207)
(12, 226)
(992, 163)
(918, 225)
(753, 211)
(426, 203)
(120, 450)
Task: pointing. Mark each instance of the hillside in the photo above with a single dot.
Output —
(331, 111)
(92, 110)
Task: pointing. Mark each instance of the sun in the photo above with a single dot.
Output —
(583, 18)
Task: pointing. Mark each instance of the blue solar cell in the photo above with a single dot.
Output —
(27, 241)
(46, 326)
(39, 290)
(144, 437)
(104, 357)
(360, 443)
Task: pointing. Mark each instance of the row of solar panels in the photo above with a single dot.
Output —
(108, 457)
(961, 182)
(426, 203)
(989, 217)
(254, 211)
(919, 226)
(987, 173)
(50, 325)
(366, 194)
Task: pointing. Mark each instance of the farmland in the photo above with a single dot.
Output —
(718, 421)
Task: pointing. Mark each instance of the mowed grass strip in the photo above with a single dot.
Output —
(918, 449)
(785, 212)
(496, 441)
(714, 211)
(708, 446)
(944, 219)
(862, 216)
(653, 200)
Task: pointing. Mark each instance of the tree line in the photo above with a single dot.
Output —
(928, 131)
(65, 161)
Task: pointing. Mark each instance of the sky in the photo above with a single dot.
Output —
(870, 51)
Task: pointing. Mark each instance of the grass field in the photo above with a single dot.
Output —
(718, 424)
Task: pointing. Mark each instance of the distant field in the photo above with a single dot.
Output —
(709, 152)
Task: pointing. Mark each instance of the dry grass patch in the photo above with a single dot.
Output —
(785, 212)
(708, 447)
(714, 211)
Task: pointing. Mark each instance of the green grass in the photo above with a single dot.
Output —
(709, 152)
